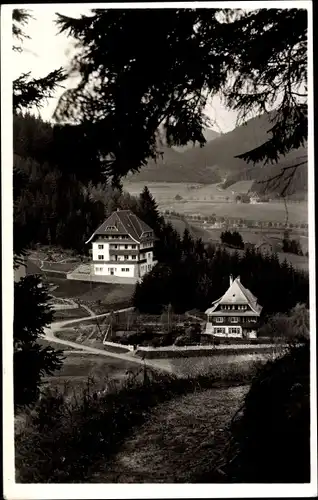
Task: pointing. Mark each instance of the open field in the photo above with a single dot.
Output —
(215, 364)
(196, 231)
(165, 191)
(272, 211)
(179, 442)
(78, 367)
(211, 199)
(253, 236)
(101, 297)
(66, 314)
(63, 267)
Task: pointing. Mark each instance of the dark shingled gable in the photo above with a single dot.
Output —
(126, 222)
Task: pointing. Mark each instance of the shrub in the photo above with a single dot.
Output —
(180, 341)
(271, 434)
(186, 339)
(289, 326)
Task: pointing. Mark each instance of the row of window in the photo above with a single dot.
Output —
(223, 330)
(146, 267)
(115, 257)
(233, 319)
(144, 255)
(123, 247)
(234, 308)
(114, 237)
(146, 245)
(100, 269)
(125, 257)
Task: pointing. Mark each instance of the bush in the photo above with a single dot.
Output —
(271, 435)
(186, 339)
(294, 325)
(180, 341)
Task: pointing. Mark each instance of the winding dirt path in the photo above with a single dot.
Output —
(49, 335)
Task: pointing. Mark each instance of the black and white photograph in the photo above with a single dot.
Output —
(158, 250)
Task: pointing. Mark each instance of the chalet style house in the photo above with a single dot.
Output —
(235, 314)
(122, 246)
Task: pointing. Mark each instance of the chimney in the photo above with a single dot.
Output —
(239, 278)
(231, 279)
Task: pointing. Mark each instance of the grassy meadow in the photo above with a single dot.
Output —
(179, 442)
(210, 199)
(100, 297)
(79, 367)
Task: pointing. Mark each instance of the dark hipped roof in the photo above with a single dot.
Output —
(125, 222)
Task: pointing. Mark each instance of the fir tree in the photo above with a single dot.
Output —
(187, 243)
(202, 52)
(28, 91)
(31, 360)
(148, 211)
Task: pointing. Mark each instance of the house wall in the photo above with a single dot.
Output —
(124, 270)
(228, 332)
(136, 259)
(245, 321)
(146, 244)
(100, 251)
(212, 329)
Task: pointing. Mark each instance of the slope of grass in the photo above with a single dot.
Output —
(66, 314)
(67, 439)
(179, 441)
(100, 297)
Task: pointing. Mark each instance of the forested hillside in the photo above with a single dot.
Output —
(217, 161)
(55, 204)
(55, 201)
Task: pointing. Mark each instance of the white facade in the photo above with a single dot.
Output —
(123, 270)
(122, 246)
(100, 248)
(124, 265)
(221, 331)
(235, 314)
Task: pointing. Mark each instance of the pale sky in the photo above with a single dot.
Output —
(47, 50)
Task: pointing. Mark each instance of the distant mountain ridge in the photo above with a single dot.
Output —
(209, 135)
(216, 161)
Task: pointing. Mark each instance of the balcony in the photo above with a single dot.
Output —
(126, 251)
(119, 262)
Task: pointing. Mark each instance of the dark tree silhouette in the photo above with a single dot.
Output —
(28, 91)
(148, 211)
(31, 361)
(233, 239)
(131, 102)
(271, 434)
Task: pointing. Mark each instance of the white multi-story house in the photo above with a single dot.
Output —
(235, 314)
(122, 246)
